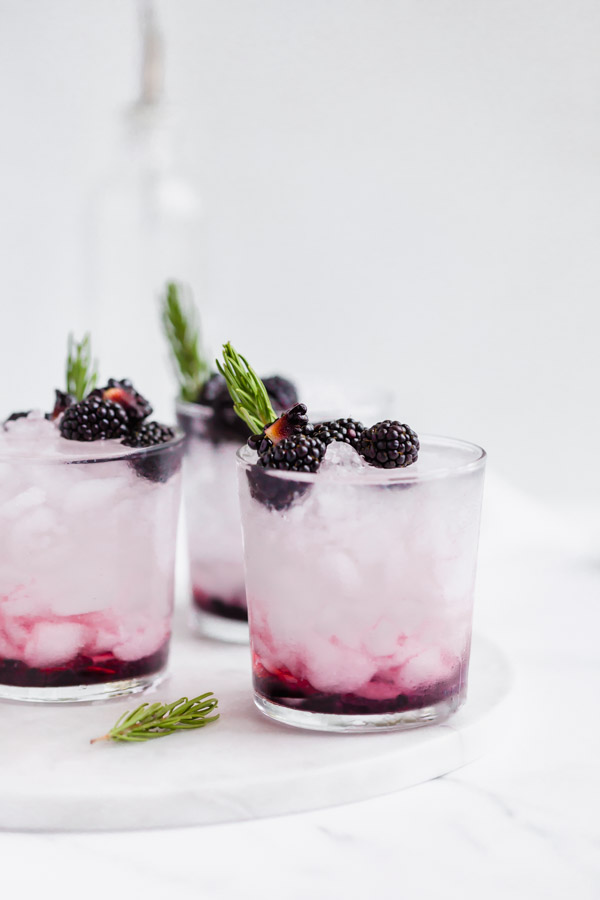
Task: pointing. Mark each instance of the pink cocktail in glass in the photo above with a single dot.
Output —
(87, 548)
(360, 586)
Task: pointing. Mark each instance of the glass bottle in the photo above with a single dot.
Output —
(144, 228)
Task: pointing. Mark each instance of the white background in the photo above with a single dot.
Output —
(404, 193)
(396, 192)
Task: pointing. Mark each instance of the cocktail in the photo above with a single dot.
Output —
(89, 498)
(360, 559)
(214, 433)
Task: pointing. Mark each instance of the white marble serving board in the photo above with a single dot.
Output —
(242, 767)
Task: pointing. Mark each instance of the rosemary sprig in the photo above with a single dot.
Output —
(250, 399)
(156, 720)
(82, 373)
(180, 322)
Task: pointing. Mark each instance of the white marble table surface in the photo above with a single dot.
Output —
(521, 822)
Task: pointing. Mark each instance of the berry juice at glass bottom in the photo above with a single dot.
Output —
(360, 586)
(87, 544)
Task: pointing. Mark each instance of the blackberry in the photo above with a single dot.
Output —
(282, 393)
(94, 420)
(149, 435)
(154, 466)
(215, 392)
(225, 424)
(288, 425)
(389, 445)
(62, 402)
(348, 431)
(17, 415)
(123, 392)
(298, 453)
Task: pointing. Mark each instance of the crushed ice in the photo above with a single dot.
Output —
(340, 460)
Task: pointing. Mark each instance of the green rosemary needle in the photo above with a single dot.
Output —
(180, 323)
(81, 371)
(250, 399)
(156, 720)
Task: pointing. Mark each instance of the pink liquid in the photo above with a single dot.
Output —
(212, 513)
(86, 558)
(225, 607)
(360, 589)
(382, 694)
(82, 669)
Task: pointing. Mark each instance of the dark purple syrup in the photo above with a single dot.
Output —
(82, 670)
(219, 606)
(300, 695)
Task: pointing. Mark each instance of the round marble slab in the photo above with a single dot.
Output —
(242, 767)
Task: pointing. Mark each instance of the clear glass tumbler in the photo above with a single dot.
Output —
(213, 522)
(360, 588)
(87, 554)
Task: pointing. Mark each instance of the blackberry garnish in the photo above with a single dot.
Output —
(274, 493)
(224, 424)
(149, 434)
(294, 421)
(298, 453)
(124, 393)
(348, 431)
(94, 420)
(280, 440)
(17, 415)
(290, 423)
(154, 466)
(61, 403)
(283, 393)
(389, 445)
(215, 393)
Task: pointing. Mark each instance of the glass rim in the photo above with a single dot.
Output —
(386, 476)
(134, 453)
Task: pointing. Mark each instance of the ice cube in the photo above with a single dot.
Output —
(426, 668)
(381, 639)
(91, 493)
(26, 500)
(101, 640)
(17, 632)
(53, 643)
(341, 456)
(23, 602)
(333, 667)
(34, 530)
(143, 641)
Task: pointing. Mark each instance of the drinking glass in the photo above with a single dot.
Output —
(87, 552)
(360, 587)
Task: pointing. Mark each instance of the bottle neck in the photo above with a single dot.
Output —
(147, 134)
